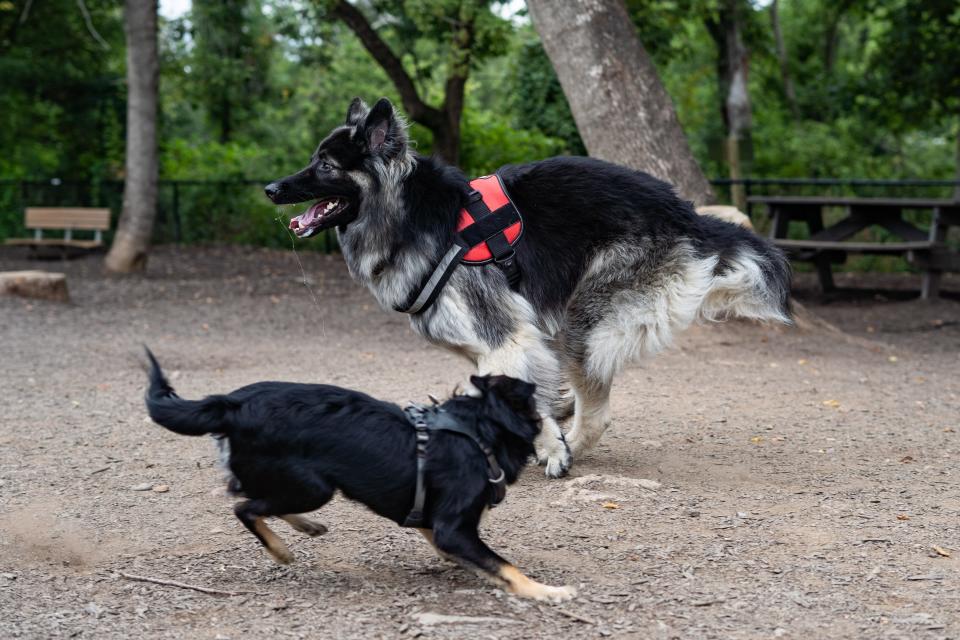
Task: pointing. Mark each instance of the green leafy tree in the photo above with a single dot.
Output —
(229, 61)
(449, 35)
(61, 88)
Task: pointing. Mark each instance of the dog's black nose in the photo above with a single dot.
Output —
(273, 190)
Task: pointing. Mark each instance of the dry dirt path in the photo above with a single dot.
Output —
(806, 479)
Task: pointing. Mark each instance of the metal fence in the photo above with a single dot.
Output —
(236, 211)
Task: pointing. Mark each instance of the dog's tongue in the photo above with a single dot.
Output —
(304, 220)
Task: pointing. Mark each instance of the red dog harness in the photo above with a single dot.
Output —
(488, 228)
(490, 224)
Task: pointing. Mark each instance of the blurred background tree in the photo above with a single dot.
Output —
(848, 88)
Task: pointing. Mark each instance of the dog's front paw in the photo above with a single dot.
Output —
(556, 467)
(557, 460)
(555, 595)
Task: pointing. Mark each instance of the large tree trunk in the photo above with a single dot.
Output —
(788, 89)
(132, 240)
(621, 107)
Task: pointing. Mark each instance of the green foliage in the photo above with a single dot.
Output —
(61, 93)
(228, 63)
(537, 96)
(249, 87)
(490, 141)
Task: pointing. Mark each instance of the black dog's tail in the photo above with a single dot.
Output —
(186, 417)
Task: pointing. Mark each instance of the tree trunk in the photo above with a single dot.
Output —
(733, 68)
(739, 114)
(621, 107)
(788, 89)
(831, 40)
(132, 240)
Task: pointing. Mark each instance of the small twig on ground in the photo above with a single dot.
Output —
(576, 616)
(183, 585)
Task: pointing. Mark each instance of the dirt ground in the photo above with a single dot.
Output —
(807, 478)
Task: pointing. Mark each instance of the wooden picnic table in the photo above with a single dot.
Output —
(926, 249)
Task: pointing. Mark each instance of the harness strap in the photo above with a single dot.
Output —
(441, 273)
(430, 419)
(489, 226)
(415, 517)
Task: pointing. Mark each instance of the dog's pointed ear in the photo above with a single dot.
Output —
(384, 131)
(480, 383)
(356, 111)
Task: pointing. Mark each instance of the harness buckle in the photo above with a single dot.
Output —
(508, 265)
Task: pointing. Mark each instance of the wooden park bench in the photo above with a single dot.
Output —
(68, 220)
(925, 249)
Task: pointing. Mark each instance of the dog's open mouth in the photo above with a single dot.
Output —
(321, 215)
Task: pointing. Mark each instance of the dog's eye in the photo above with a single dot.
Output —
(326, 166)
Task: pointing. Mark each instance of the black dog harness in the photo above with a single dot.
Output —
(488, 227)
(427, 419)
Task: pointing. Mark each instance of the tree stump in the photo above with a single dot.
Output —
(44, 285)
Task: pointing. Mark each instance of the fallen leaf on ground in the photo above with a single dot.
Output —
(756, 439)
(892, 359)
(906, 459)
(831, 403)
(903, 516)
(940, 551)
(610, 505)
(802, 361)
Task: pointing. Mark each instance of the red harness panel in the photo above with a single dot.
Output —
(494, 197)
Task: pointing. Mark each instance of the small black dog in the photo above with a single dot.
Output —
(290, 446)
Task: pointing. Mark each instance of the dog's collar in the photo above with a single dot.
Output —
(488, 227)
(427, 419)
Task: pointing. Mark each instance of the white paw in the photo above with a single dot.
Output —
(556, 594)
(556, 461)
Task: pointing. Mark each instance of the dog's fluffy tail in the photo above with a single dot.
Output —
(186, 417)
(751, 276)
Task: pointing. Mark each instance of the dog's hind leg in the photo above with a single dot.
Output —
(252, 513)
(304, 525)
(463, 545)
(592, 415)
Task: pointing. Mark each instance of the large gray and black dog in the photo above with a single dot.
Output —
(612, 262)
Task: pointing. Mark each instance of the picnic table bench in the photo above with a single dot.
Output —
(68, 220)
(925, 249)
